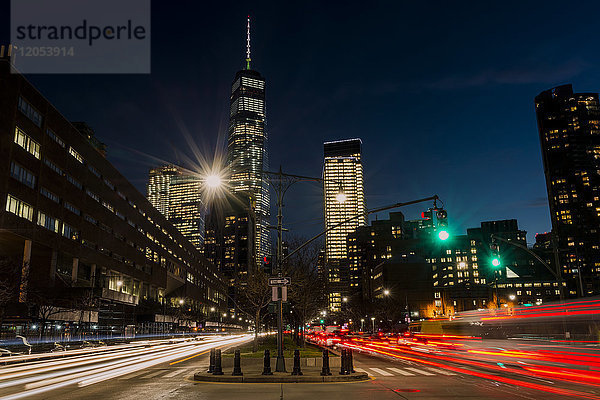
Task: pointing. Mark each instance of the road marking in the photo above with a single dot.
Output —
(175, 373)
(153, 374)
(359, 370)
(381, 372)
(135, 374)
(419, 371)
(401, 372)
(441, 371)
(185, 359)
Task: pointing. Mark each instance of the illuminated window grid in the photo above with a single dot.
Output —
(342, 173)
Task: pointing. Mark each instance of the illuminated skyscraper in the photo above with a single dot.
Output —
(569, 129)
(247, 146)
(177, 195)
(342, 173)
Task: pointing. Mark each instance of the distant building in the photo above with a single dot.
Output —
(247, 156)
(79, 230)
(405, 256)
(342, 173)
(369, 246)
(569, 130)
(177, 194)
(230, 233)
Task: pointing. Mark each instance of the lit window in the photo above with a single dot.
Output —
(76, 155)
(70, 232)
(48, 222)
(26, 142)
(19, 208)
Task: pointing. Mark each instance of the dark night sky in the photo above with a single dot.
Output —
(440, 93)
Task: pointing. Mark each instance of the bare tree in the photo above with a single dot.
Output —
(9, 268)
(46, 306)
(86, 301)
(255, 295)
(307, 289)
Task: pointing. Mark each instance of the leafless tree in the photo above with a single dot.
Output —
(46, 305)
(306, 292)
(255, 295)
(85, 301)
(9, 269)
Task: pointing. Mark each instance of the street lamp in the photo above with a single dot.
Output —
(212, 309)
(373, 321)
(362, 322)
(345, 299)
(341, 197)
(512, 297)
(386, 292)
(181, 302)
(213, 181)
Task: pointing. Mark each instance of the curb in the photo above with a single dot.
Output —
(356, 377)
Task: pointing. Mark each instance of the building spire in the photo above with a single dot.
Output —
(248, 45)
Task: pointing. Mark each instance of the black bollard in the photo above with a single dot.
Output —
(325, 370)
(350, 362)
(267, 363)
(237, 364)
(297, 370)
(211, 365)
(218, 370)
(344, 363)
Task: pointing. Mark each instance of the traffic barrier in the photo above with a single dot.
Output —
(325, 370)
(237, 364)
(350, 362)
(211, 365)
(218, 370)
(297, 370)
(267, 363)
(344, 363)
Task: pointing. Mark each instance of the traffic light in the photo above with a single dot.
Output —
(443, 234)
(495, 256)
(267, 264)
(442, 218)
(440, 222)
(427, 214)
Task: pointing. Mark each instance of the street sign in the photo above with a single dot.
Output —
(279, 291)
(280, 281)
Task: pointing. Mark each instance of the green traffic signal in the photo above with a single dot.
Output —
(496, 262)
(443, 235)
(322, 321)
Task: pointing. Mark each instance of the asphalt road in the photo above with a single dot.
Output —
(167, 373)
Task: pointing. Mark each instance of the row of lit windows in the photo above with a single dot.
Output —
(33, 147)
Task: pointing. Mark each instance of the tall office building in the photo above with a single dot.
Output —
(342, 173)
(177, 195)
(247, 146)
(569, 129)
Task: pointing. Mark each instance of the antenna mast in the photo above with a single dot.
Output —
(248, 45)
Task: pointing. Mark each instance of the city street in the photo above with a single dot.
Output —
(166, 371)
(74, 376)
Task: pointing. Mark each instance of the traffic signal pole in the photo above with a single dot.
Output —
(556, 273)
